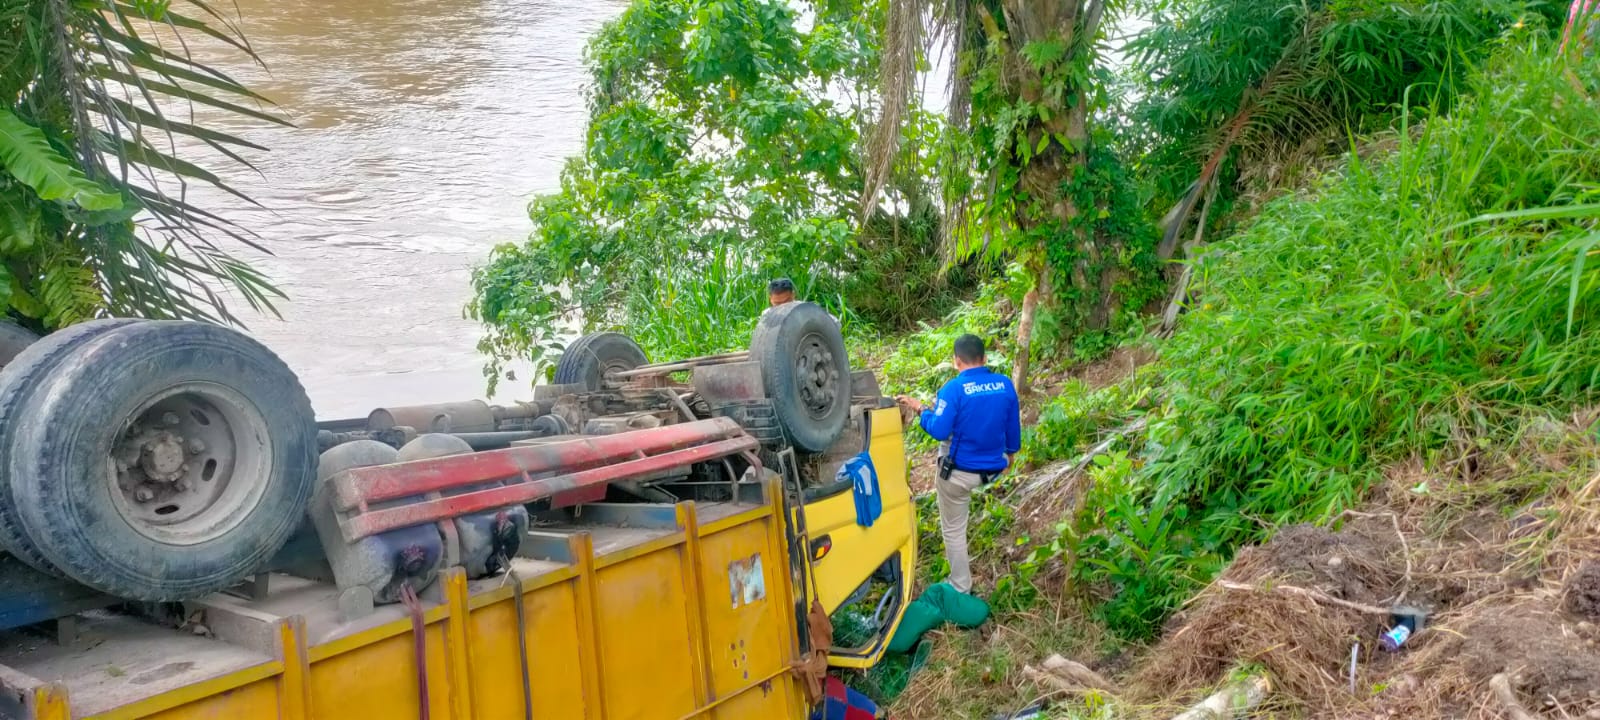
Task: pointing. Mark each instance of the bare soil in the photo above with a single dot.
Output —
(1583, 591)
(1508, 593)
(1500, 547)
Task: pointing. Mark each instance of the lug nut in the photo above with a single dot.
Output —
(170, 418)
(144, 495)
(197, 446)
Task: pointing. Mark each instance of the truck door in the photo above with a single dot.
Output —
(866, 571)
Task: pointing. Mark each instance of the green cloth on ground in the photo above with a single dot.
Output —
(937, 605)
(885, 681)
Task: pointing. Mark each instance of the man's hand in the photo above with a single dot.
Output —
(910, 403)
(1011, 461)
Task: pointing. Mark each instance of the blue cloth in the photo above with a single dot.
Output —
(979, 413)
(864, 477)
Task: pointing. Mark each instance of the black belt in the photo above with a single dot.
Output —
(984, 477)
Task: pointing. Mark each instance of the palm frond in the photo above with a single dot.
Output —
(106, 75)
(902, 47)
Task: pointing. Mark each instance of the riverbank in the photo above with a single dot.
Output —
(1385, 397)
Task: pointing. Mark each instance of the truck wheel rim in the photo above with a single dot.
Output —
(192, 464)
(817, 375)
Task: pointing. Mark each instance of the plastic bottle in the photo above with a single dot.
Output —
(1397, 635)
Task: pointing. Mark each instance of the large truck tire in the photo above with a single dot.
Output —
(211, 463)
(806, 373)
(20, 378)
(590, 357)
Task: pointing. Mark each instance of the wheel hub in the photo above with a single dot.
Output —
(174, 466)
(816, 370)
(161, 457)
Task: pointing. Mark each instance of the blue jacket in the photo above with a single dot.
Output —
(979, 409)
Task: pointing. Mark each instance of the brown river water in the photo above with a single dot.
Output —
(422, 130)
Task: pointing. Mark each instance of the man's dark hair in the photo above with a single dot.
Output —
(781, 285)
(969, 348)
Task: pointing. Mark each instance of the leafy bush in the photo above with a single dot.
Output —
(1264, 82)
(722, 151)
(1076, 417)
(920, 362)
(1429, 295)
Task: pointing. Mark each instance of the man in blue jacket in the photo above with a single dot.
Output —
(977, 416)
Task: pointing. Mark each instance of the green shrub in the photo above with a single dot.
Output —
(1077, 416)
(920, 362)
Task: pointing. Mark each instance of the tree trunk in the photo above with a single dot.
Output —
(1044, 212)
(1180, 296)
(1030, 310)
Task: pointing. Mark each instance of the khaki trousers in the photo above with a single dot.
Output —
(955, 498)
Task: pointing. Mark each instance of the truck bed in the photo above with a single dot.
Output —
(631, 611)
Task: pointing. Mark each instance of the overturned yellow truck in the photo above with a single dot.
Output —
(638, 541)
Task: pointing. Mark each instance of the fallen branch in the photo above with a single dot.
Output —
(1232, 700)
(1307, 593)
(1180, 296)
(1501, 685)
(1044, 481)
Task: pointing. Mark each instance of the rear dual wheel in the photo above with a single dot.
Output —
(153, 460)
(23, 376)
(14, 339)
(805, 370)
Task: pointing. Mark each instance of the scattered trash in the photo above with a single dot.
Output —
(1232, 700)
(1355, 654)
(1406, 621)
(1065, 676)
(1396, 636)
(1030, 712)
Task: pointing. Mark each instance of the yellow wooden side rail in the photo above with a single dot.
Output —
(693, 620)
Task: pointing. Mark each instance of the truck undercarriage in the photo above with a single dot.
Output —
(146, 467)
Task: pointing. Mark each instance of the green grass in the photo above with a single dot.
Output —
(1420, 302)
(1385, 316)
(1406, 303)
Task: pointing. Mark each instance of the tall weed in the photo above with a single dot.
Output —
(1407, 302)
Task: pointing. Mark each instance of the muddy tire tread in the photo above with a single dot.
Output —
(18, 381)
(54, 471)
(773, 344)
